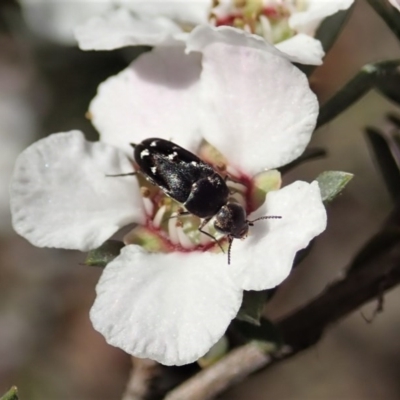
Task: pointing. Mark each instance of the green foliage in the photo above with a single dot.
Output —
(252, 306)
(104, 254)
(266, 333)
(331, 183)
(388, 13)
(12, 394)
(384, 149)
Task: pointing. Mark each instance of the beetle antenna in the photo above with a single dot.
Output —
(177, 215)
(266, 217)
(229, 249)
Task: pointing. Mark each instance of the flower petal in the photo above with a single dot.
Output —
(154, 97)
(303, 47)
(395, 3)
(205, 35)
(168, 307)
(61, 196)
(308, 21)
(272, 244)
(120, 29)
(193, 12)
(257, 109)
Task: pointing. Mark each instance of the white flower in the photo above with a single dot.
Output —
(290, 24)
(395, 3)
(257, 109)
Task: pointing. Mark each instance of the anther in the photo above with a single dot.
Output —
(145, 191)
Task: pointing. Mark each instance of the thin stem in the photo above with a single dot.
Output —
(143, 373)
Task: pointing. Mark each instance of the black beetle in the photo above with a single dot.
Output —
(195, 184)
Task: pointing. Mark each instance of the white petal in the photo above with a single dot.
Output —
(303, 47)
(205, 35)
(395, 3)
(168, 307)
(193, 12)
(56, 20)
(272, 244)
(120, 29)
(154, 97)
(258, 109)
(317, 10)
(61, 196)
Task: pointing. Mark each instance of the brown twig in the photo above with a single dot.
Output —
(144, 371)
(379, 272)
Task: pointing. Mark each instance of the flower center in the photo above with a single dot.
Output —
(266, 18)
(170, 228)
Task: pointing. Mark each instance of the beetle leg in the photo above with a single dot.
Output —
(229, 178)
(127, 174)
(202, 225)
(180, 213)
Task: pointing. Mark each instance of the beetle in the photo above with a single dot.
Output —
(195, 184)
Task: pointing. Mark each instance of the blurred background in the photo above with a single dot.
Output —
(48, 347)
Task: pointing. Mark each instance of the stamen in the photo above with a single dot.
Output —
(145, 191)
(159, 216)
(184, 240)
(236, 186)
(173, 231)
(148, 206)
(232, 171)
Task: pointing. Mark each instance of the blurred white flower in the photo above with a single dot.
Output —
(55, 20)
(17, 126)
(110, 24)
(252, 105)
(289, 24)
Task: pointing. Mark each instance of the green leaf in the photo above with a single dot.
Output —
(101, 256)
(331, 183)
(371, 75)
(388, 82)
(267, 334)
(252, 306)
(12, 394)
(388, 13)
(387, 164)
